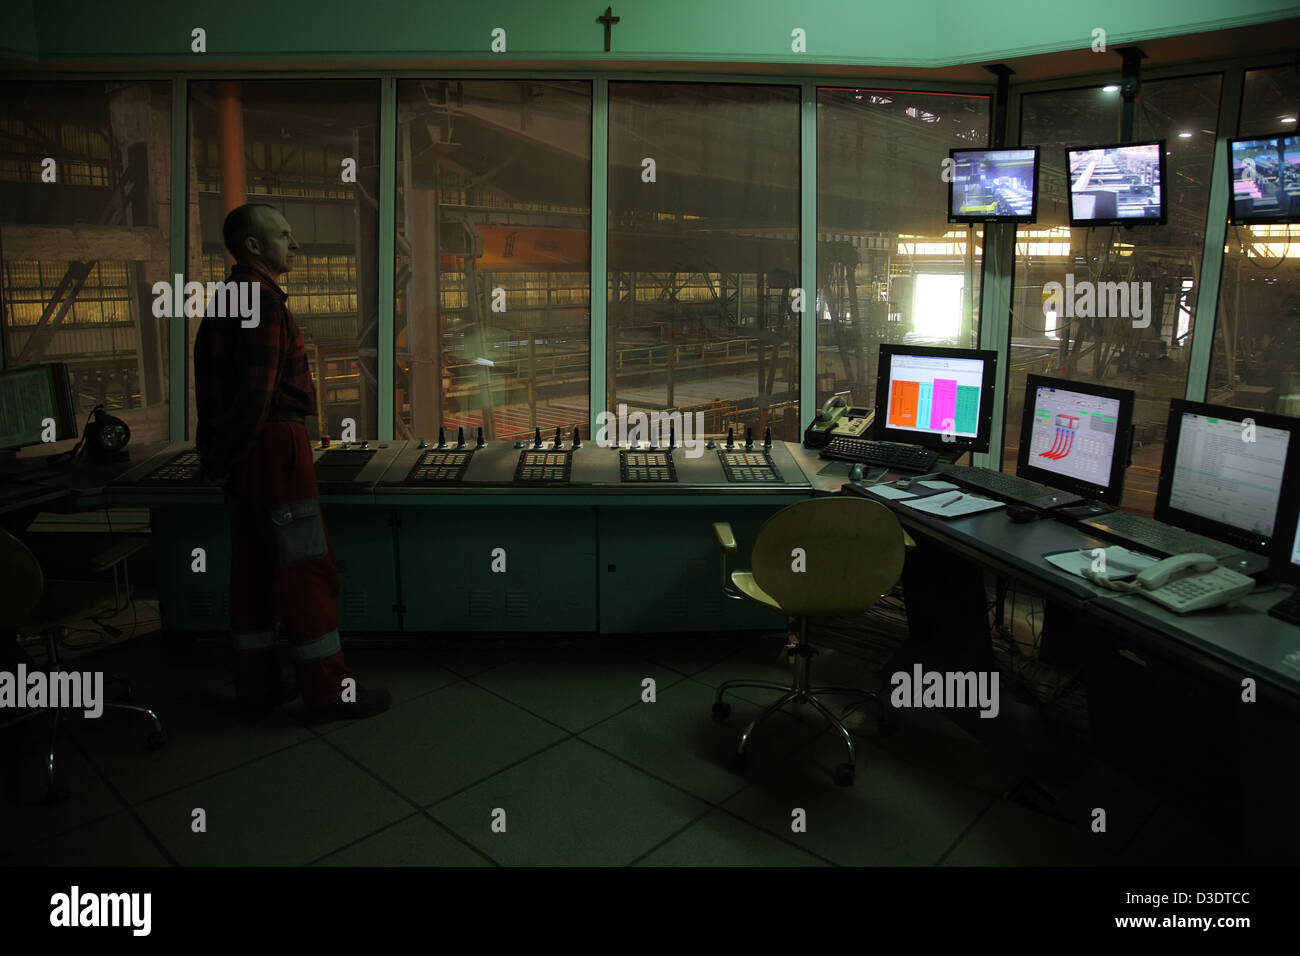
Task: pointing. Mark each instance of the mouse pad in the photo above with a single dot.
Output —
(836, 469)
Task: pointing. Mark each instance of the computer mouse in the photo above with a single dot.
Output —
(855, 473)
(1021, 514)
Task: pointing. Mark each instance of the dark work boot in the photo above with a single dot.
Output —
(369, 703)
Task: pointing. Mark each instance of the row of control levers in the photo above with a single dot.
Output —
(460, 439)
(711, 444)
(749, 440)
(558, 443)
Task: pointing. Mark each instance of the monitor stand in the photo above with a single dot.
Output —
(1086, 509)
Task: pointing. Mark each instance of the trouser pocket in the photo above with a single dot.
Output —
(299, 532)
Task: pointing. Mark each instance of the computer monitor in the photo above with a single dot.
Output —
(1265, 176)
(1076, 436)
(1284, 563)
(30, 395)
(939, 398)
(1222, 472)
(993, 185)
(1117, 185)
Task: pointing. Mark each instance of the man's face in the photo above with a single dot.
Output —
(273, 250)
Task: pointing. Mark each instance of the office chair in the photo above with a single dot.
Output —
(37, 609)
(821, 557)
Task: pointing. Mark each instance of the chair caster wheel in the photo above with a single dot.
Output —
(157, 740)
(55, 795)
(844, 775)
(721, 710)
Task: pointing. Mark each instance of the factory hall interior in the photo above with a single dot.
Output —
(653, 434)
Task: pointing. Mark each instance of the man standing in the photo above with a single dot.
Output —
(254, 390)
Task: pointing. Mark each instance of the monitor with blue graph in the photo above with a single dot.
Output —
(1075, 436)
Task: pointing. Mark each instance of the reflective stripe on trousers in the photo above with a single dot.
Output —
(253, 640)
(321, 647)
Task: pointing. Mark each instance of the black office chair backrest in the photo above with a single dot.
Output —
(828, 556)
(21, 580)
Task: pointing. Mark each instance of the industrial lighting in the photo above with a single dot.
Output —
(1185, 135)
(1288, 119)
(1113, 88)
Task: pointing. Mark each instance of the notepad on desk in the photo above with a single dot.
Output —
(953, 504)
(889, 491)
(1119, 562)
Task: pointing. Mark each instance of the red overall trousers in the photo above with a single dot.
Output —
(282, 564)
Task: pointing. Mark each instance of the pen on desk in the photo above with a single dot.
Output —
(951, 501)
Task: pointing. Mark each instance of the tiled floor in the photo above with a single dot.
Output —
(541, 751)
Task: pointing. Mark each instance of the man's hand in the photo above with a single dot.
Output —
(217, 474)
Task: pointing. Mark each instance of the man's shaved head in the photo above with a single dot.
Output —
(258, 235)
(251, 219)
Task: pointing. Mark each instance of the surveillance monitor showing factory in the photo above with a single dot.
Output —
(1265, 179)
(1117, 185)
(993, 185)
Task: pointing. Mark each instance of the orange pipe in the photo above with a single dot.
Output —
(230, 138)
(515, 249)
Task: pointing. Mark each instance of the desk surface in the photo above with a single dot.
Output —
(1242, 637)
(36, 487)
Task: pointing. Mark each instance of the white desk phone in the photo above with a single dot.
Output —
(1183, 583)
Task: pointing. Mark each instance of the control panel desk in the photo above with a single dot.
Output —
(500, 537)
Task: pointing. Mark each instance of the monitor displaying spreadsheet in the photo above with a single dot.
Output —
(1223, 469)
(935, 397)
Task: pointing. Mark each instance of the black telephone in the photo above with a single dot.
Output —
(838, 419)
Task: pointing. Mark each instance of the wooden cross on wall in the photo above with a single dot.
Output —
(609, 20)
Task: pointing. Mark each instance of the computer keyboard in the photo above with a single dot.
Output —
(881, 453)
(1009, 487)
(1288, 610)
(1148, 535)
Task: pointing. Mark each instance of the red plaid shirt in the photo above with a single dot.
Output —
(242, 375)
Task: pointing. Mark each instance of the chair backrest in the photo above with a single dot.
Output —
(21, 580)
(828, 555)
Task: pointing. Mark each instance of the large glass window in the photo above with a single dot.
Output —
(84, 189)
(1146, 349)
(704, 253)
(890, 268)
(493, 256)
(1256, 362)
(310, 148)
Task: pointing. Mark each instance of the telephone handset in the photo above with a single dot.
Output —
(1159, 574)
(1183, 583)
(838, 419)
